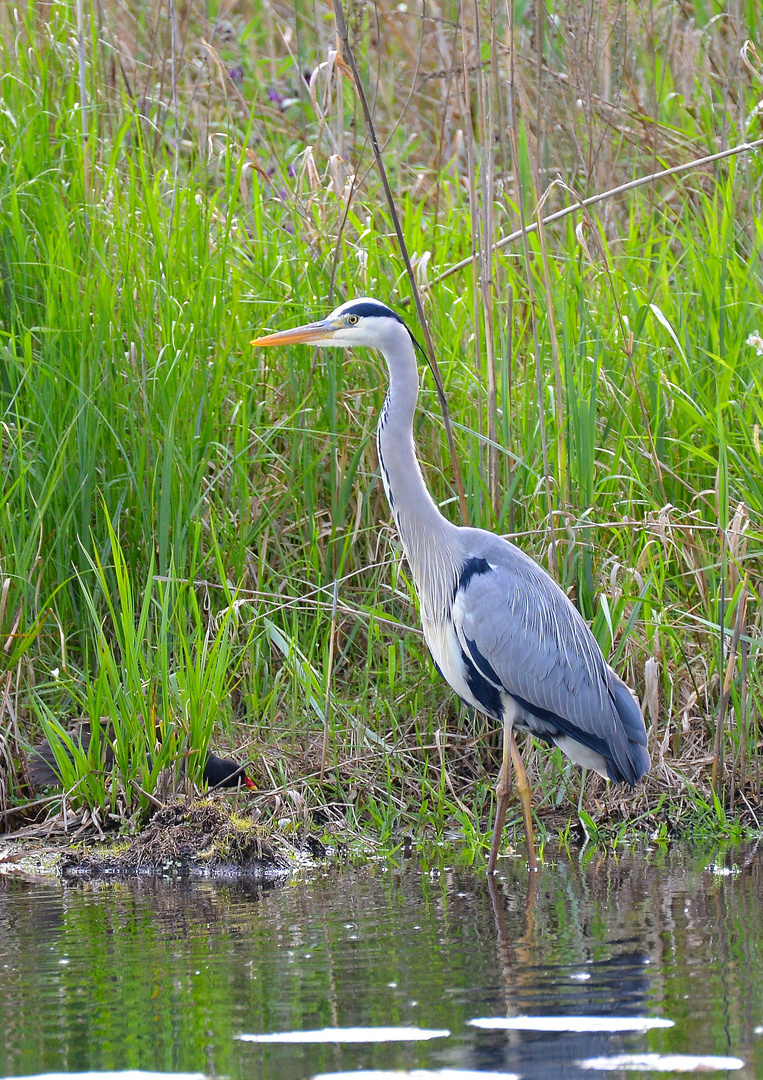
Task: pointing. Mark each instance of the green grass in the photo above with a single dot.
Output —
(175, 505)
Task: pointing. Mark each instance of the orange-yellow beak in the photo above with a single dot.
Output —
(320, 333)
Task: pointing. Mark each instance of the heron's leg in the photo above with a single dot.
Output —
(502, 795)
(525, 795)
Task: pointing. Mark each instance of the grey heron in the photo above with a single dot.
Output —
(500, 630)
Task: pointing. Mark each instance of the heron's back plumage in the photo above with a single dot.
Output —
(524, 638)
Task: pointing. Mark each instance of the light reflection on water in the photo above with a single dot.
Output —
(165, 976)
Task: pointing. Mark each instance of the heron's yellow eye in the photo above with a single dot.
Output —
(352, 319)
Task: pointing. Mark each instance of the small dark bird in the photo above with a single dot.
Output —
(43, 771)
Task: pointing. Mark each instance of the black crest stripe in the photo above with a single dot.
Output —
(365, 309)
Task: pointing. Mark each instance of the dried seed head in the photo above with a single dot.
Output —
(652, 689)
(736, 542)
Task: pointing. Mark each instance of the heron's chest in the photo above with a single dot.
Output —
(447, 653)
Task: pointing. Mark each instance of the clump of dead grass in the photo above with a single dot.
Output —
(204, 839)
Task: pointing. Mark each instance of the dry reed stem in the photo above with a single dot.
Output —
(592, 200)
(524, 232)
(344, 35)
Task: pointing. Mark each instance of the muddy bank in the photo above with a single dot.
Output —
(200, 840)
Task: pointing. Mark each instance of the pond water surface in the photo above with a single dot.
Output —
(168, 976)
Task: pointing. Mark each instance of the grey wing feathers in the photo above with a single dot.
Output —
(534, 641)
(633, 726)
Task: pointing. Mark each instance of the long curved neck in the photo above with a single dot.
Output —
(429, 539)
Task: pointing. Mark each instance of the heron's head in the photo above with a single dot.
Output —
(357, 322)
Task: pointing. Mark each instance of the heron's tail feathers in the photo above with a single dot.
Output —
(634, 762)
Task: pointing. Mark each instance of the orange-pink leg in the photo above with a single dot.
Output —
(502, 795)
(525, 797)
(510, 749)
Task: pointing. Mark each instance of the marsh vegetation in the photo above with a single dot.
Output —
(177, 507)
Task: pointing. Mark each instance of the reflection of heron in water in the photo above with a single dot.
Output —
(616, 987)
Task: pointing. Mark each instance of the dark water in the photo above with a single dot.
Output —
(164, 976)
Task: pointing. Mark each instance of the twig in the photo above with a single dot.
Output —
(330, 668)
(488, 266)
(276, 603)
(151, 798)
(739, 623)
(175, 110)
(83, 93)
(28, 806)
(438, 743)
(341, 26)
(533, 314)
(743, 718)
(474, 216)
(675, 170)
(42, 802)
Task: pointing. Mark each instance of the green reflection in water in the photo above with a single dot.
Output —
(163, 976)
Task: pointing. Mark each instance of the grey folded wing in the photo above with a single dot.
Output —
(524, 635)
